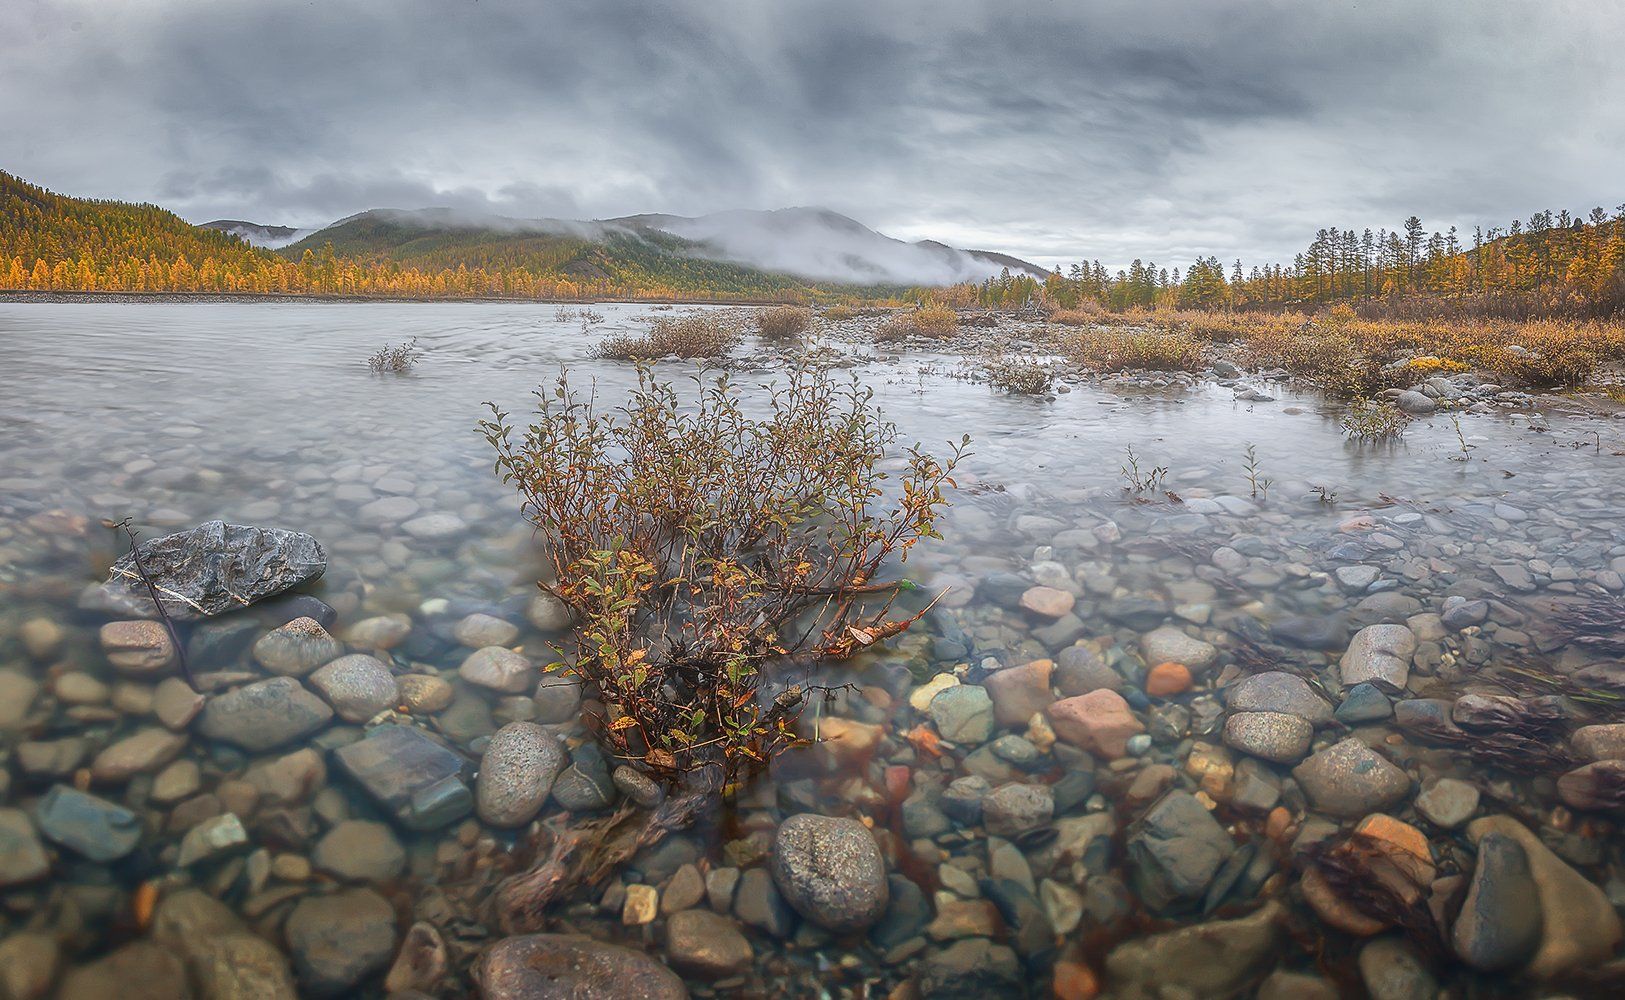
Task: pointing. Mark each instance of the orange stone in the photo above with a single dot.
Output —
(1167, 679)
(1075, 981)
(1403, 845)
(1279, 824)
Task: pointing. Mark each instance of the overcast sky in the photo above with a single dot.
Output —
(1051, 130)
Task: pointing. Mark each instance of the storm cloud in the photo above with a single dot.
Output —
(1048, 130)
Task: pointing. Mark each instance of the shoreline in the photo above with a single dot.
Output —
(59, 298)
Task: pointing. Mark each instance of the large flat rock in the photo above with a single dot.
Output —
(212, 569)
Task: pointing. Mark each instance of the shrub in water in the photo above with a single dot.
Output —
(693, 335)
(695, 544)
(783, 322)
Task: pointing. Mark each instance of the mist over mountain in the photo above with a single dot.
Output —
(809, 243)
(823, 245)
(258, 234)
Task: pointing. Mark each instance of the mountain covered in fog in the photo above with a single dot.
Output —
(257, 234)
(810, 244)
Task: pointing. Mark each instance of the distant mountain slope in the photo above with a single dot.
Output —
(439, 239)
(268, 237)
(822, 245)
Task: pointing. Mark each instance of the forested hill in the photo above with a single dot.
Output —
(52, 242)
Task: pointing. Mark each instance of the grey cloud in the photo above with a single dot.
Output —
(1055, 130)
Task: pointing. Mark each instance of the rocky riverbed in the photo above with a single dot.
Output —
(1206, 744)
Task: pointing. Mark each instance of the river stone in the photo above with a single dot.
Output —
(1598, 785)
(479, 630)
(540, 966)
(140, 970)
(517, 773)
(1019, 692)
(421, 964)
(1278, 691)
(1601, 742)
(1100, 722)
(1392, 970)
(1327, 633)
(138, 647)
(340, 940)
(1169, 644)
(1380, 655)
(17, 694)
(1579, 925)
(1013, 809)
(22, 856)
(264, 716)
(1499, 925)
(211, 839)
(1080, 669)
(413, 776)
(1349, 779)
(214, 568)
(87, 825)
(1415, 403)
(829, 869)
(498, 669)
(971, 969)
(705, 945)
(1273, 736)
(1176, 849)
(1363, 703)
(1214, 961)
(1448, 803)
(358, 686)
(359, 850)
(964, 714)
(140, 753)
(297, 648)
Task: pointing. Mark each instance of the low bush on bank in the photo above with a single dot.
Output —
(1125, 349)
(783, 322)
(708, 334)
(697, 543)
(927, 322)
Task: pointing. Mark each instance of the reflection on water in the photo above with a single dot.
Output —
(1125, 716)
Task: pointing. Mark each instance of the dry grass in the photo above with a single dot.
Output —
(783, 322)
(694, 335)
(838, 312)
(1014, 373)
(929, 323)
(1120, 349)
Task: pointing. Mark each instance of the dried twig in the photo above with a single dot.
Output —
(152, 591)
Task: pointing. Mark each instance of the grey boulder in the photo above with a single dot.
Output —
(213, 568)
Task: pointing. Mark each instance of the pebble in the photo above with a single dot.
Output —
(141, 648)
(499, 669)
(830, 870)
(1379, 655)
(359, 850)
(1497, 928)
(1273, 736)
(264, 716)
(963, 713)
(1350, 779)
(338, 941)
(358, 686)
(517, 773)
(296, 648)
(1447, 803)
(1100, 722)
(702, 944)
(1172, 645)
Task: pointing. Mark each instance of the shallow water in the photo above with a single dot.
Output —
(172, 414)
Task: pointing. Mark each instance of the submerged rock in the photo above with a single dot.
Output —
(1380, 655)
(535, 966)
(971, 969)
(214, 568)
(1214, 961)
(358, 686)
(1176, 849)
(1274, 736)
(1579, 926)
(830, 871)
(22, 856)
(264, 716)
(412, 775)
(1278, 691)
(517, 773)
(340, 940)
(1499, 925)
(93, 827)
(1350, 779)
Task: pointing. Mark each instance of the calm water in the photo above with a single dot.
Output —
(266, 414)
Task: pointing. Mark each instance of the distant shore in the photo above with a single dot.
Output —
(29, 295)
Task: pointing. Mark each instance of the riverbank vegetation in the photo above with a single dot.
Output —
(696, 546)
(693, 335)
